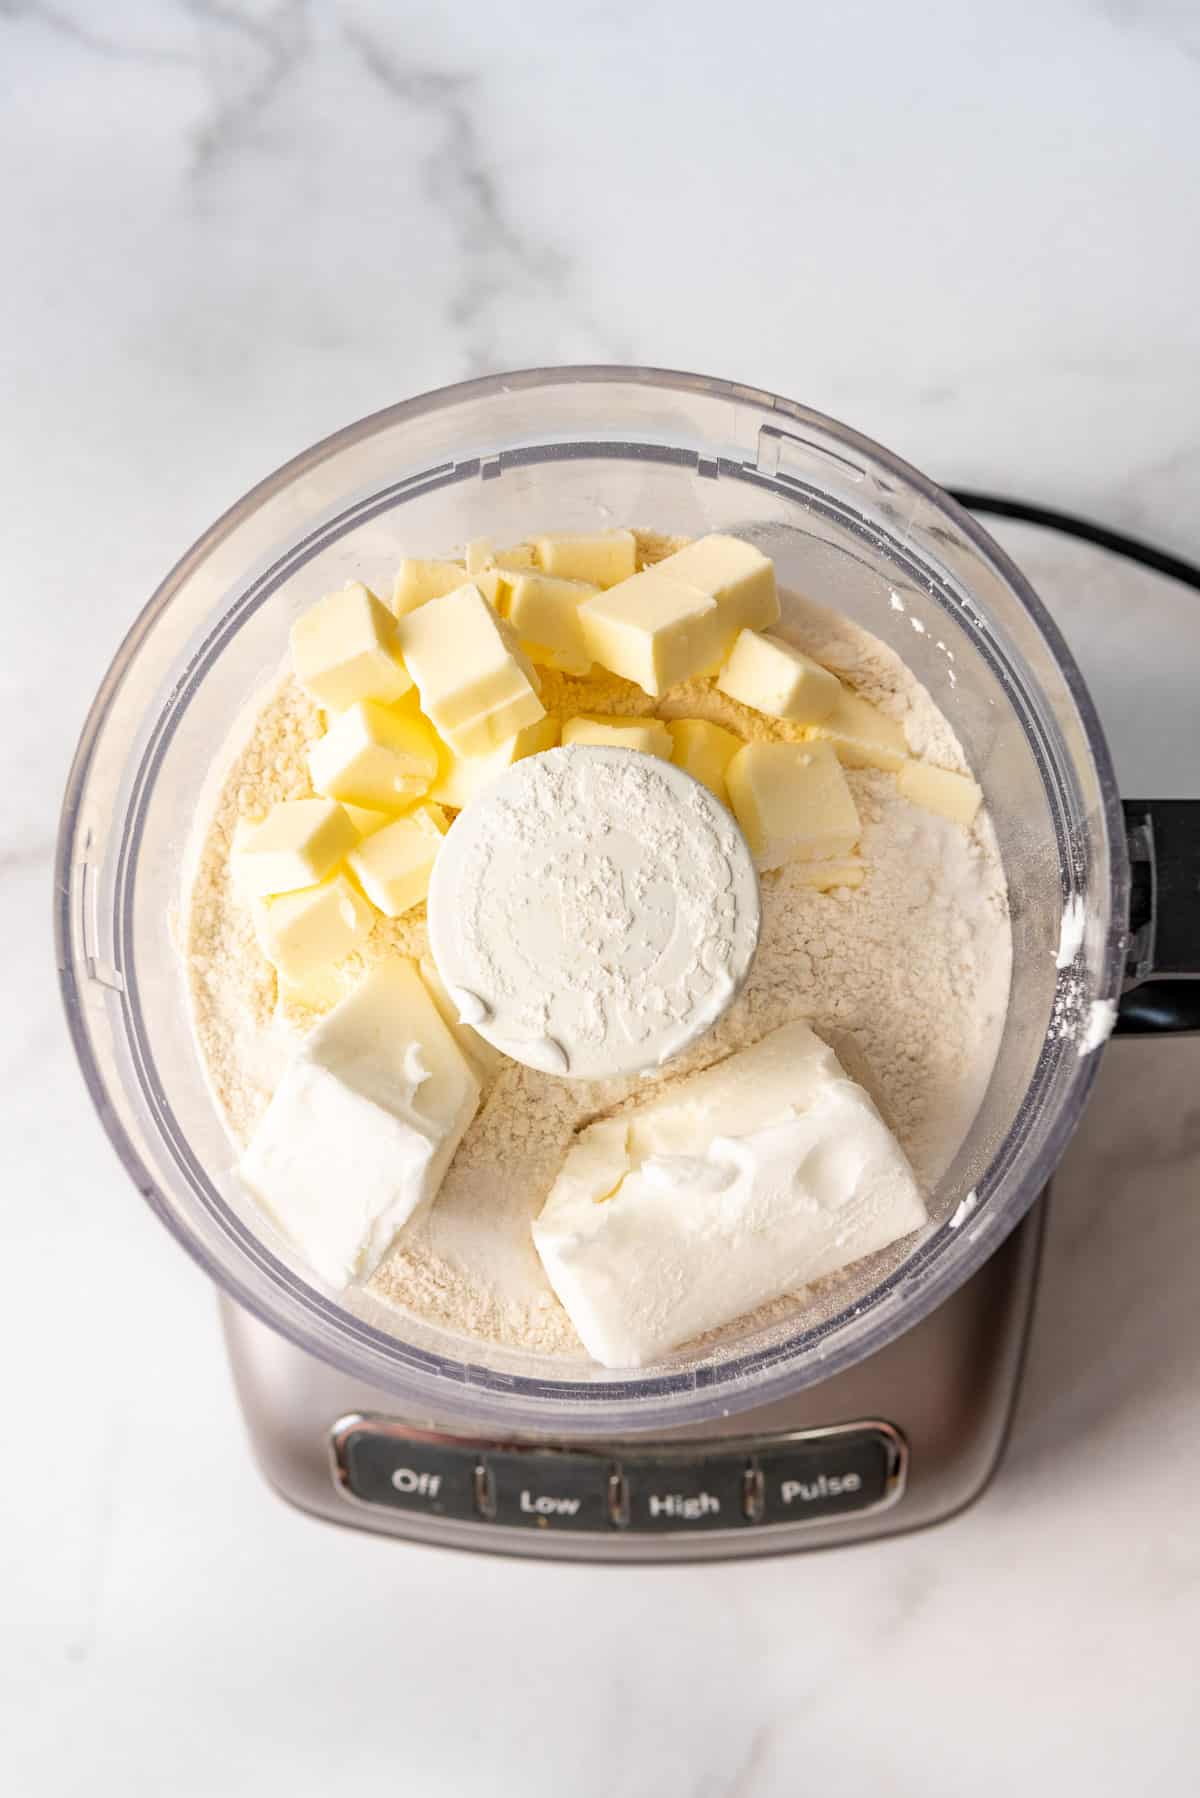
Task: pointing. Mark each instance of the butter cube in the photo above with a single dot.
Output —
(954, 796)
(736, 574)
(602, 558)
(344, 649)
(375, 757)
(772, 677)
(476, 685)
(827, 874)
(653, 630)
(647, 734)
(517, 556)
(418, 581)
(297, 844)
(704, 751)
(543, 609)
(493, 573)
(366, 821)
(461, 777)
(493, 584)
(363, 1125)
(862, 735)
(310, 930)
(792, 802)
(394, 864)
(481, 1054)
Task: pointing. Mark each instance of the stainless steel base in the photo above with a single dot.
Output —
(948, 1387)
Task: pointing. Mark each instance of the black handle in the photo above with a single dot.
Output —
(1163, 966)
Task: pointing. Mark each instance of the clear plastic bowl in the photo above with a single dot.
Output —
(574, 448)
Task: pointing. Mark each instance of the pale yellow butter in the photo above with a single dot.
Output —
(493, 584)
(772, 677)
(736, 574)
(543, 609)
(344, 649)
(602, 557)
(417, 581)
(862, 736)
(653, 631)
(827, 874)
(297, 844)
(954, 796)
(375, 756)
(305, 933)
(493, 573)
(461, 777)
(365, 820)
(479, 1052)
(517, 556)
(704, 751)
(647, 734)
(393, 865)
(792, 802)
(475, 682)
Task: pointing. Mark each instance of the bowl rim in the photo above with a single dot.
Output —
(455, 1389)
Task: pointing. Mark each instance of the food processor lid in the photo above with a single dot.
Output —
(729, 452)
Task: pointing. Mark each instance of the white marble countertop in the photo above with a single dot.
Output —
(231, 227)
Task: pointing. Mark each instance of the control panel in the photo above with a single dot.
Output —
(805, 1476)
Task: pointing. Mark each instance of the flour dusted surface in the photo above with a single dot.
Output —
(912, 968)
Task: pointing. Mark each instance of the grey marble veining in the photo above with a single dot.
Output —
(230, 226)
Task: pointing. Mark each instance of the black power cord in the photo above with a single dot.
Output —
(1155, 1006)
(1130, 547)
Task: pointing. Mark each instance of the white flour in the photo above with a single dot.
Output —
(907, 974)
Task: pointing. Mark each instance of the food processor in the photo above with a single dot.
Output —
(883, 1402)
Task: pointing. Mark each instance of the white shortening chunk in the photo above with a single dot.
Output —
(601, 557)
(543, 609)
(298, 843)
(647, 734)
(954, 796)
(704, 751)
(363, 1125)
(655, 631)
(744, 1183)
(344, 649)
(393, 865)
(476, 684)
(379, 757)
(773, 677)
(461, 777)
(862, 735)
(418, 581)
(793, 802)
(736, 574)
